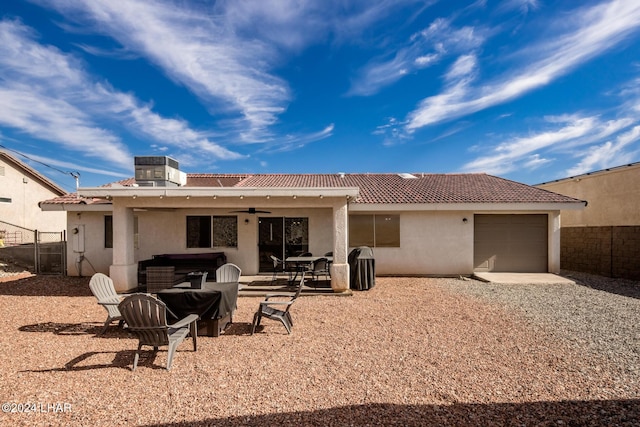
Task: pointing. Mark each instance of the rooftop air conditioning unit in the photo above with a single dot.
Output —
(158, 171)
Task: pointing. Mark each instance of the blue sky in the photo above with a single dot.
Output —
(529, 90)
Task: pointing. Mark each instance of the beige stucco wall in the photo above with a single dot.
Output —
(164, 232)
(88, 242)
(613, 197)
(432, 242)
(25, 193)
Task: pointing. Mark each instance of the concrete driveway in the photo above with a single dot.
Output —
(515, 278)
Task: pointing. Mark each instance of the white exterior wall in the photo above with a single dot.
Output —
(165, 232)
(25, 193)
(90, 234)
(431, 243)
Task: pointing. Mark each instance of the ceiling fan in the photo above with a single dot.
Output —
(251, 211)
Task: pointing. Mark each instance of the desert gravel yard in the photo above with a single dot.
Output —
(409, 352)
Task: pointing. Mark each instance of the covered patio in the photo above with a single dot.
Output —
(326, 208)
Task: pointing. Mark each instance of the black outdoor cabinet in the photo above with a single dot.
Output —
(362, 268)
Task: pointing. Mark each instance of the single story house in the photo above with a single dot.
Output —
(417, 224)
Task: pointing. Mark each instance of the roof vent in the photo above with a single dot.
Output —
(341, 174)
(407, 176)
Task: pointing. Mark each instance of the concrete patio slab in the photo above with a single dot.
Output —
(516, 278)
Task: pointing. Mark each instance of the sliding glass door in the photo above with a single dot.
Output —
(282, 237)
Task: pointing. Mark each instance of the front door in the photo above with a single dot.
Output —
(281, 237)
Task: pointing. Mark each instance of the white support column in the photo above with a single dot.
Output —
(124, 269)
(340, 266)
(554, 242)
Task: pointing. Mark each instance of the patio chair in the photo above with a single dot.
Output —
(320, 268)
(102, 288)
(228, 273)
(146, 317)
(278, 267)
(278, 309)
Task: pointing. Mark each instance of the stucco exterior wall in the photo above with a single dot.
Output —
(86, 253)
(25, 193)
(165, 232)
(613, 197)
(431, 243)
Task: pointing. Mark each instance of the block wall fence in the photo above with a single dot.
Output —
(611, 251)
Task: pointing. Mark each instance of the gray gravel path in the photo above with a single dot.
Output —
(597, 316)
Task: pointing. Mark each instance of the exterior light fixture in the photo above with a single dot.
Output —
(465, 220)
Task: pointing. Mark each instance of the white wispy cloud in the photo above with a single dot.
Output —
(48, 118)
(533, 151)
(609, 153)
(594, 30)
(424, 49)
(572, 134)
(48, 94)
(196, 49)
(462, 68)
(522, 6)
(292, 142)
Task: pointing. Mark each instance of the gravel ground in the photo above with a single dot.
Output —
(411, 351)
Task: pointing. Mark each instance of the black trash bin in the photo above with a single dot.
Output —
(362, 268)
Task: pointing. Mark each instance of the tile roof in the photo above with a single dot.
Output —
(73, 199)
(378, 188)
(424, 188)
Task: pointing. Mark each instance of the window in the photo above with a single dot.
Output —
(5, 199)
(108, 232)
(198, 231)
(225, 231)
(381, 231)
(212, 231)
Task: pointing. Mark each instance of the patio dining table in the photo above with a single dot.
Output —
(214, 303)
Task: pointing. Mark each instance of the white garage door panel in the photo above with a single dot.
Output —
(515, 243)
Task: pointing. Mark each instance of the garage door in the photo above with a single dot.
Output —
(510, 243)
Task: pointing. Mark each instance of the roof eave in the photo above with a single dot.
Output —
(474, 206)
(111, 192)
(76, 207)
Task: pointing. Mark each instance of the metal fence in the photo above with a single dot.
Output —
(41, 252)
(14, 235)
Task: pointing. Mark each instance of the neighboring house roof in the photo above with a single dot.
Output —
(28, 171)
(601, 171)
(374, 188)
